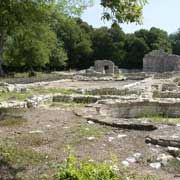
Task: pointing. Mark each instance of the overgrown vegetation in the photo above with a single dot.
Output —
(34, 91)
(67, 104)
(11, 118)
(173, 166)
(20, 156)
(82, 133)
(92, 170)
(69, 43)
(163, 119)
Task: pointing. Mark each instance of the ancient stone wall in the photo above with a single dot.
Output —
(159, 61)
(105, 67)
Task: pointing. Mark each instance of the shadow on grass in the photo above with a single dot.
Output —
(7, 172)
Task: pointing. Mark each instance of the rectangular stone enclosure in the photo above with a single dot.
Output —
(105, 67)
(159, 61)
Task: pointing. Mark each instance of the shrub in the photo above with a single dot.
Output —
(86, 170)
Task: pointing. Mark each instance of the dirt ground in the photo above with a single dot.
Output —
(51, 130)
(70, 84)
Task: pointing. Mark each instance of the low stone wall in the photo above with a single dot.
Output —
(136, 76)
(136, 109)
(166, 94)
(76, 98)
(112, 91)
(13, 104)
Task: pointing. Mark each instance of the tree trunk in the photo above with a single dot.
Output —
(1, 52)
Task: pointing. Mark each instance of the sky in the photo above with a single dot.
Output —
(164, 14)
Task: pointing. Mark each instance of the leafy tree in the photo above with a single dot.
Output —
(102, 43)
(135, 49)
(123, 10)
(19, 13)
(155, 38)
(118, 38)
(33, 49)
(109, 43)
(175, 41)
(77, 42)
(23, 14)
(158, 39)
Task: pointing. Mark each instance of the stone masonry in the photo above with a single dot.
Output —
(159, 61)
(105, 67)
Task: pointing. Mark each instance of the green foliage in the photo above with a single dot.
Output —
(109, 43)
(123, 11)
(20, 156)
(135, 49)
(77, 43)
(173, 166)
(31, 48)
(175, 40)
(86, 170)
(92, 170)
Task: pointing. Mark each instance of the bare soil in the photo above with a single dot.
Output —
(51, 130)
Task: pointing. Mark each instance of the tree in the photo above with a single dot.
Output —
(20, 14)
(77, 42)
(155, 38)
(33, 49)
(175, 41)
(123, 10)
(135, 49)
(109, 43)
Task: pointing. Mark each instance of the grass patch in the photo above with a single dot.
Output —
(12, 121)
(20, 156)
(21, 96)
(67, 105)
(119, 76)
(15, 96)
(93, 170)
(79, 134)
(10, 117)
(173, 166)
(35, 139)
(163, 119)
(42, 90)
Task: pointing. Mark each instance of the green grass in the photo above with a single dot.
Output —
(79, 134)
(11, 118)
(20, 156)
(72, 169)
(67, 105)
(34, 91)
(42, 90)
(119, 76)
(173, 166)
(163, 119)
(32, 139)
(12, 121)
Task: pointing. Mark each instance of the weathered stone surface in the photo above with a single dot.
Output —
(159, 61)
(137, 108)
(169, 87)
(112, 91)
(105, 67)
(13, 104)
(163, 142)
(167, 94)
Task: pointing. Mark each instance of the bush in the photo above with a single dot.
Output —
(86, 170)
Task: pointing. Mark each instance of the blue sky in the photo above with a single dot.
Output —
(164, 14)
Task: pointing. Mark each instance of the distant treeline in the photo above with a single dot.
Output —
(70, 43)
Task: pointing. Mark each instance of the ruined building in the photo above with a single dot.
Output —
(105, 67)
(159, 61)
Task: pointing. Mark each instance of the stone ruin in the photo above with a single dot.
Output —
(105, 67)
(159, 61)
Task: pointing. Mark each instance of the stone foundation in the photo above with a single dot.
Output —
(137, 109)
